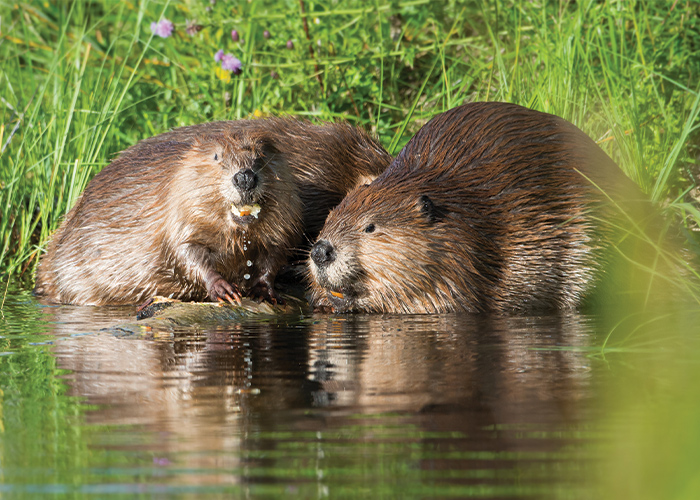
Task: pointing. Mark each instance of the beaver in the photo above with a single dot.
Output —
(489, 207)
(205, 211)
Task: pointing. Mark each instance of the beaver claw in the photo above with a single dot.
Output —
(222, 290)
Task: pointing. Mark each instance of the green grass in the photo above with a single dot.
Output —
(81, 81)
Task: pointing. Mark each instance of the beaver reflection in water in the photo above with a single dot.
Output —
(207, 211)
(490, 207)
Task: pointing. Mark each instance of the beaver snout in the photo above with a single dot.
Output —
(246, 180)
(322, 253)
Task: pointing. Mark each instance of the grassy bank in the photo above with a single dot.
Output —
(81, 81)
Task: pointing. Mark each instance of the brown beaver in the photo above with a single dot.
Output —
(211, 210)
(490, 207)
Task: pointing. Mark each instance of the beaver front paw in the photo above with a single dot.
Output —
(219, 289)
(262, 291)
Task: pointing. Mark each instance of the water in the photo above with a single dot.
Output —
(358, 406)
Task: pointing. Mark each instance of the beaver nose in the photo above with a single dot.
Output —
(322, 253)
(245, 180)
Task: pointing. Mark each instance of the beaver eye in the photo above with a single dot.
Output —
(216, 157)
(370, 228)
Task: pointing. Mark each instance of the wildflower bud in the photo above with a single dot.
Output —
(290, 44)
(192, 28)
(234, 35)
(266, 34)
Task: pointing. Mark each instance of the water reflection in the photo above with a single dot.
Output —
(349, 406)
(414, 363)
(330, 401)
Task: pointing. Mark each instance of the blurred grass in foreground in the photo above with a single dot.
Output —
(649, 429)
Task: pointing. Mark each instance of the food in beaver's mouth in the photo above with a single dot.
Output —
(244, 210)
(337, 294)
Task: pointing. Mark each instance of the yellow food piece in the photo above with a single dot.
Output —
(245, 210)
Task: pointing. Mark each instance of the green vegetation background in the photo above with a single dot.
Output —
(80, 81)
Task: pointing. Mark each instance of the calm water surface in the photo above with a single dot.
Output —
(358, 406)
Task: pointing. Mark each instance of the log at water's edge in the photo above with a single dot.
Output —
(166, 314)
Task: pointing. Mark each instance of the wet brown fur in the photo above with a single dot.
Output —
(490, 207)
(157, 220)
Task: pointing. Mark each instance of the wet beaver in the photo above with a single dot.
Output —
(206, 211)
(490, 207)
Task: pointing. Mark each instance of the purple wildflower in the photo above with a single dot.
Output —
(266, 34)
(219, 55)
(234, 35)
(231, 63)
(290, 44)
(162, 28)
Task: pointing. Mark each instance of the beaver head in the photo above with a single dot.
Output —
(377, 253)
(246, 171)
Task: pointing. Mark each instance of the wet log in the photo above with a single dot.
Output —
(167, 314)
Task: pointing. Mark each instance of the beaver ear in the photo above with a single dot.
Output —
(433, 212)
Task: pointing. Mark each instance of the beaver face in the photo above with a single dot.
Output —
(371, 254)
(245, 171)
